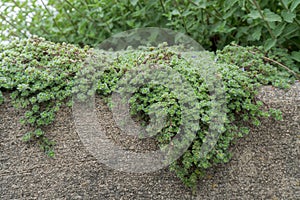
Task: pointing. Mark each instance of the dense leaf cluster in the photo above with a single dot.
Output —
(242, 73)
(39, 75)
(254, 61)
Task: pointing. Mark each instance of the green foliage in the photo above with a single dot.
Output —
(213, 24)
(243, 110)
(42, 76)
(251, 60)
(78, 22)
(39, 75)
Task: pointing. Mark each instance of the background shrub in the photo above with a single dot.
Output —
(214, 24)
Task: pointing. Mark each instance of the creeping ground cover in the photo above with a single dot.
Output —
(40, 77)
(38, 74)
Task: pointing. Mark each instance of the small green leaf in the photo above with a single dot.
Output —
(27, 136)
(134, 2)
(288, 16)
(269, 44)
(289, 30)
(175, 12)
(51, 153)
(286, 3)
(254, 14)
(229, 4)
(257, 33)
(271, 17)
(38, 132)
(82, 27)
(186, 13)
(294, 5)
(296, 55)
(230, 12)
(279, 29)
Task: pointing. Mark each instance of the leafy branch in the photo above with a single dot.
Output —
(263, 17)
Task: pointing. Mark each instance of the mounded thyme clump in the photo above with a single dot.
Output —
(242, 108)
(40, 76)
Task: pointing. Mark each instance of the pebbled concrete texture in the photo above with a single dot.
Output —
(265, 163)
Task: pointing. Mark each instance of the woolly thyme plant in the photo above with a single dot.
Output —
(40, 76)
(242, 73)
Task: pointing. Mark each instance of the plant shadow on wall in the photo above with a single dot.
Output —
(39, 75)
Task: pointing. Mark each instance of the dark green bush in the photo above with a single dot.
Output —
(214, 24)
